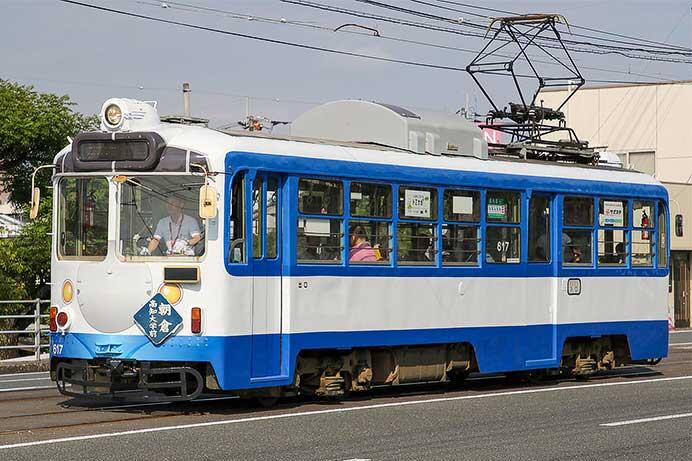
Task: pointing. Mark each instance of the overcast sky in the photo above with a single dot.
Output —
(93, 55)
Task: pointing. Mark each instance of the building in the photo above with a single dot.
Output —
(647, 127)
(10, 218)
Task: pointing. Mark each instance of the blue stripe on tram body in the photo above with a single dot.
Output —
(498, 349)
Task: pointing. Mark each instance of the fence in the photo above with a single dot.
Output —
(38, 330)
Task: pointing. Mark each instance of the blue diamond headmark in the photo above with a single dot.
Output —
(157, 319)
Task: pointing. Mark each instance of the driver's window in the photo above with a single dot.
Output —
(237, 253)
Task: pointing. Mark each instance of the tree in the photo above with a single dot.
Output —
(34, 127)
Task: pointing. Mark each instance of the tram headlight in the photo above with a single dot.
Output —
(113, 115)
(172, 292)
(67, 292)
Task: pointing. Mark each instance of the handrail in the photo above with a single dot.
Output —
(38, 331)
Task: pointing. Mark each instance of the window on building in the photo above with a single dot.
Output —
(642, 161)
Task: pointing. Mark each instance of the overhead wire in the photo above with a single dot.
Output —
(573, 26)
(294, 44)
(265, 39)
(409, 23)
(598, 48)
(310, 25)
(574, 34)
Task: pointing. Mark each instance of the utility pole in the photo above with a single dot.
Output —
(186, 99)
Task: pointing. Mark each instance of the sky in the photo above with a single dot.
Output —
(93, 55)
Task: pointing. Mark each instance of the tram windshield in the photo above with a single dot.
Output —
(159, 217)
(83, 218)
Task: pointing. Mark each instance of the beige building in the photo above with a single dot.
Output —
(648, 127)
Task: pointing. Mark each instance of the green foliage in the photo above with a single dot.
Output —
(25, 260)
(33, 128)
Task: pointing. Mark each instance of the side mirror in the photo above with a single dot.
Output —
(35, 201)
(207, 202)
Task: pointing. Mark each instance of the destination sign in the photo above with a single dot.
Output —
(109, 150)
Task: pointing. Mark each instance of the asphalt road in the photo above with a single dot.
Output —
(633, 413)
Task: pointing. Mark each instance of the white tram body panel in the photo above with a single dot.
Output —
(258, 315)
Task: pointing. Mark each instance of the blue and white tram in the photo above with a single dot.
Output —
(328, 267)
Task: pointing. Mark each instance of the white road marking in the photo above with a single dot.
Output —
(2, 381)
(646, 420)
(679, 344)
(226, 422)
(26, 374)
(684, 348)
(32, 388)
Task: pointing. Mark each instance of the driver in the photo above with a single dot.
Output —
(179, 232)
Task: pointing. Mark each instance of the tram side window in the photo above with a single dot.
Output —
(416, 239)
(371, 200)
(319, 196)
(370, 241)
(320, 239)
(612, 232)
(503, 242)
(460, 242)
(662, 241)
(577, 232)
(257, 218)
(539, 229)
(643, 234)
(237, 252)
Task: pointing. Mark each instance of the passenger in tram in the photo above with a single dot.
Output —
(361, 251)
(542, 251)
(179, 232)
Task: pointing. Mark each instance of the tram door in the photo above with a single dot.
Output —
(542, 297)
(266, 263)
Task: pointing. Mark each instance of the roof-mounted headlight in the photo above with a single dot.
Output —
(113, 115)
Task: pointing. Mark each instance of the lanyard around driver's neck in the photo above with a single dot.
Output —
(170, 230)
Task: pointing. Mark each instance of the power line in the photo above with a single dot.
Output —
(622, 50)
(282, 21)
(299, 45)
(590, 29)
(266, 39)
(409, 23)
(666, 47)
